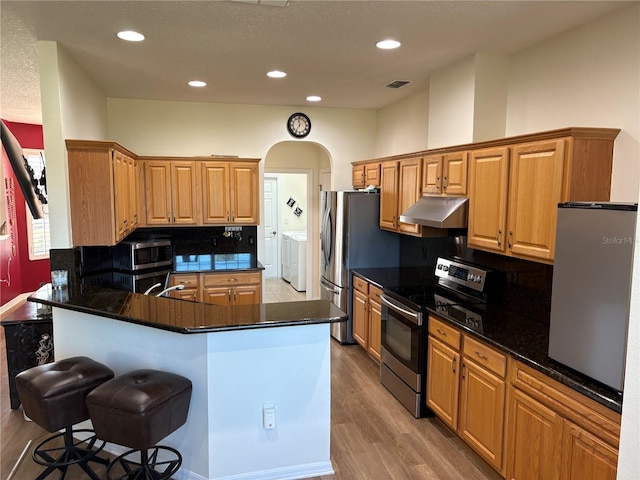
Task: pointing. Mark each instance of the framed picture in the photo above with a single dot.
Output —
(297, 212)
(291, 202)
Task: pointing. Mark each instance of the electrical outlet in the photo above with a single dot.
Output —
(268, 416)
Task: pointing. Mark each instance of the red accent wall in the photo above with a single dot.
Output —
(24, 275)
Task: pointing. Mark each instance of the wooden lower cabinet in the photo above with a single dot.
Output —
(443, 384)
(557, 433)
(232, 288)
(585, 456)
(367, 316)
(222, 289)
(534, 440)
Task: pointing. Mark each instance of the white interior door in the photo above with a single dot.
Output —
(271, 250)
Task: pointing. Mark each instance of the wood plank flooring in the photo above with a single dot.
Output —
(372, 436)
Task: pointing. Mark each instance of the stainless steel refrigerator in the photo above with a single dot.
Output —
(350, 237)
(591, 289)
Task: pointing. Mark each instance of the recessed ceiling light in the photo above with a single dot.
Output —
(276, 74)
(388, 44)
(130, 36)
(314, 98)
(197, 83)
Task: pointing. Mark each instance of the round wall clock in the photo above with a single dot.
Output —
(299, 125)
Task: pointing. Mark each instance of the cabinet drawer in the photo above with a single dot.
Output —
(230, 279)
(485, 356)
(189, 281)
(374, 293)
(360, 285)
(444, 333)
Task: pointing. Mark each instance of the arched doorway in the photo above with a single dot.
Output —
(300, 170)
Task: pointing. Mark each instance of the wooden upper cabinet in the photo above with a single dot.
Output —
(230, 193)
(389, 195)
(488, 177)
(365, 174)
(513, 199)
(445, 174)
(103, 192)
(400, 188)
(410, 187)
(171, 192)
(536, 189)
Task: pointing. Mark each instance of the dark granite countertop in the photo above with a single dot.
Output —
(215, 263)
(521, 334)
(183, 316)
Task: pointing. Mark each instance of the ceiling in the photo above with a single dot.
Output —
(326, 47)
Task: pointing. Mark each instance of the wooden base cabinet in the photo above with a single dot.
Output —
(232, 288)
(466, 389)
(557, 433)
(367, 316)
(224, 289)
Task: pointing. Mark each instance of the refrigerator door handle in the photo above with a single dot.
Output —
(328, 286)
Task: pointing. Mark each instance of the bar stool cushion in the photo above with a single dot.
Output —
(139, 408)
(53, 395)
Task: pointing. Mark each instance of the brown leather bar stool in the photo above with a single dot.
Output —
(53, 396)
(137, 410)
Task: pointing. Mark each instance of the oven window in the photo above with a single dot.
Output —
(401, 338)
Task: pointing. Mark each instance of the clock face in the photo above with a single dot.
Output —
(299, 125)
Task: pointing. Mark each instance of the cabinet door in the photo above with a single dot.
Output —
(432, 174)
(357, 176)
(442, 381)
(215, 195)
(488, 178)
(244, 194)
(247, 295)
(184, 193)
(454, 173)
(133, 181)
(389, 195)
(375, 322)
(409, 191)
(482, 401)
(191, 286)
(534, 440)
(158, 188)
(222, 296)
(372, 174)
(586, 457)
(121, 196)
(360, 318)
(535, 191)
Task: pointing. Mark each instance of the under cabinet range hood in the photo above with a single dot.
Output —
(438, 212)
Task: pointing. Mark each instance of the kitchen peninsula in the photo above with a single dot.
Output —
(239, 358)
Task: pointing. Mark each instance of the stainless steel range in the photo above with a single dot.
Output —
(458, 292)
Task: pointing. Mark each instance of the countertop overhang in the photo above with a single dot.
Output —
(183, 316)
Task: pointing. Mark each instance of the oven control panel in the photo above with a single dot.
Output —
(461, 273)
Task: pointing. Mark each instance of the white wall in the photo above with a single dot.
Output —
(72, 108)
(403, 126)
(293, 185)
(490, 97)
(587, 77)
(451, 104)
(184, 129)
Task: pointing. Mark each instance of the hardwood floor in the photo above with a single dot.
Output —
(372, 436)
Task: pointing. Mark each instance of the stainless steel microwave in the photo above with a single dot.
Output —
(142, 255)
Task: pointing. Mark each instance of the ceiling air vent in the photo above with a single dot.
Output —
(397, 84)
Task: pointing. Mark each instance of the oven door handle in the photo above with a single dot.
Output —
(394, 306)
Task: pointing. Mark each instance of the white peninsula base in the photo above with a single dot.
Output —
(234, 374)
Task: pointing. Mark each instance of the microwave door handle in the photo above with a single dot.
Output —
(397, 308)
